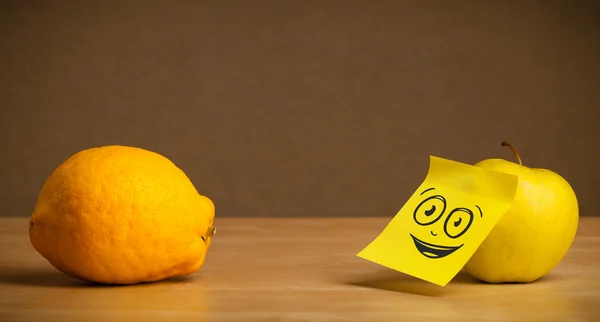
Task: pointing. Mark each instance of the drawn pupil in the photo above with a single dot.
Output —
(457, 223)
(431, 211)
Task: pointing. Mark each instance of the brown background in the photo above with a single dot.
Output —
(300, 108)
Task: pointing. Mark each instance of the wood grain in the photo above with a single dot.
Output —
(295, 269)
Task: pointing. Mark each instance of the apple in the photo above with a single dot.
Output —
(535, 233)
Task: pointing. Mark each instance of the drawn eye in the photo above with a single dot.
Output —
(458, 222)
(430, 210)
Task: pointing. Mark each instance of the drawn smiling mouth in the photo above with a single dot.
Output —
(433, 251)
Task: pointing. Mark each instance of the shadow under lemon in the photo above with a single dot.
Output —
(55, 279)
(172, 294)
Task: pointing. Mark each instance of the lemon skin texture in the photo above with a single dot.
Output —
(121, 215)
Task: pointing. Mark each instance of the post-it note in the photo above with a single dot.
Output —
(445, 220)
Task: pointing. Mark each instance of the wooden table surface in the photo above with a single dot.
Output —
(296, 270)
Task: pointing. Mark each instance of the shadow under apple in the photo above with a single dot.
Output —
(397, 282)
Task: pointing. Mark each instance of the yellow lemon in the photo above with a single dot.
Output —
(121, 215)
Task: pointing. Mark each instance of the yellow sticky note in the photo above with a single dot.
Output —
(443, 223)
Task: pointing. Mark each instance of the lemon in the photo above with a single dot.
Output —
(121, 215)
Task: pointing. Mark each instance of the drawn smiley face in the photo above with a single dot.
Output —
(445, 232)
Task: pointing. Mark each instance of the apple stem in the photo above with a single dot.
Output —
(504, 143)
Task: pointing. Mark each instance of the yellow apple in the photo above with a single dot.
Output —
(535, 233)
